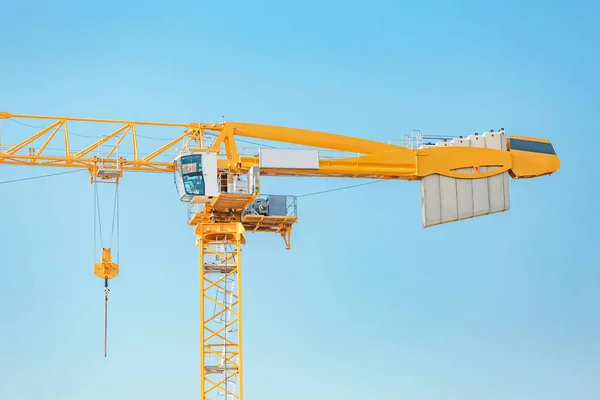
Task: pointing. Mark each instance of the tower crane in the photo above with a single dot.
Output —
(460, 178)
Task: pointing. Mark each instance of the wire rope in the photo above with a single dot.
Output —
(302, 195)
(97, 200)
(41, 176)
(137, 135)
(341, 188)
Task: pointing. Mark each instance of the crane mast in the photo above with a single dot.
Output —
(461, 178)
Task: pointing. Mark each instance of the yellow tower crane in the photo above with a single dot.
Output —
(460, 178)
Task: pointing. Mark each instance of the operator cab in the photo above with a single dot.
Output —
(532, 157)
(196, 177)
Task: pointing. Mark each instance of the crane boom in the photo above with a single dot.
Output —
(370, 159)
(461, 178)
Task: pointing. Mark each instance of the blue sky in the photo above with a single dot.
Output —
(367, 304)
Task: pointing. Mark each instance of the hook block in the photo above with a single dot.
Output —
(106, 268)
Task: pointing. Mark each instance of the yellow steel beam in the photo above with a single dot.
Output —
(366, 158)
(31, 139)
(100, 142)
(220, 310)
(50, 138)
(7, 115)
(312, 138)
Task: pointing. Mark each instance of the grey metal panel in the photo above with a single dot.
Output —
(496, 189)
(209, 170)
(431, 200)
(289, 158)
(481, 203)
(464, 187)
(446, 199)
(448, 194)
(505, 177)
(253, 178)
(277, 205)
(431, 209)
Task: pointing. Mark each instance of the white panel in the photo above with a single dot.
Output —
(430, 200)
(430, 197)
(464, 187)
(448, 194)
(253, 178)
(481, 204)
(498, 185)
(493, 140)
(505, 175)
(446, 199)
(209, 170)
(239, 186)
(289, 158)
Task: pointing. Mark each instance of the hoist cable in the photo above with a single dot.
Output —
(118, 214)
(115, 215)
(97, 216)
(97, 206)
(106, 291)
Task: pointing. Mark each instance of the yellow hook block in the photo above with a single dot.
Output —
(106, 268)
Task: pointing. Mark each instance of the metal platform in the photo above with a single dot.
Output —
(219, 369)
(222, 203)
(231, 201)
(274, 224)
(219, 268)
